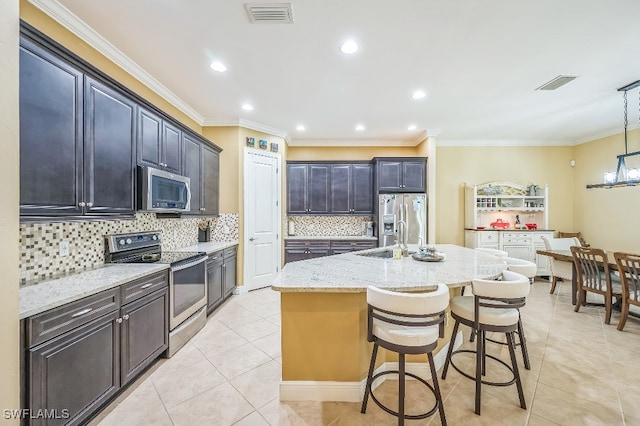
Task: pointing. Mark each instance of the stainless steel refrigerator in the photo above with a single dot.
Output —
(408, 208)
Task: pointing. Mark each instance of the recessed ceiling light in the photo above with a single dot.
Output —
(418, 94)
(349, 47)
(413, 127)
(218, 66)
(300, 128)
(359, 128)
(247, 107)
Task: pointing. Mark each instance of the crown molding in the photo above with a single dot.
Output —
(247, 124)
(353, 142)
(605, 134)
(503, 142)
(80, 29)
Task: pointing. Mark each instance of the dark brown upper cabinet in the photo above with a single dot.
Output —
(201, 165)
(76, 143)
(159, 142)
(352, 189)
(407, 174)
(308, 188)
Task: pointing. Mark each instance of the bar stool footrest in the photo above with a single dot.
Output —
(395, 413)
(484, 382)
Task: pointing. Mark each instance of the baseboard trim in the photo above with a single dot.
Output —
(353, 391)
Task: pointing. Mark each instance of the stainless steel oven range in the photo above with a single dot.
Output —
(187, 280)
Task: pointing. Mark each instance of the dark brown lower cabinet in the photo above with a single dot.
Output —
(221, 276)
(79, 355)
(295, 250)
(74, 374)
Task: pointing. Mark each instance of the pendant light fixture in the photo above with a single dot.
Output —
(623, 176)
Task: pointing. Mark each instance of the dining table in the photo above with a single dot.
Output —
(565, 255)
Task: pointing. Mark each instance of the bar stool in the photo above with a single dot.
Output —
(494, 307)
(406, 323)
(521, 266)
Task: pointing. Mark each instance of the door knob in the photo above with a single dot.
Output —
(252, 239)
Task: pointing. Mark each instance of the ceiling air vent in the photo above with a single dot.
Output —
(559, 81)
(276, 13)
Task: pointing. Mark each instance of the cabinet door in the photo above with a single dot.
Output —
(51, 97)
(191, 169)
(171, 147)
(229, 270)
(389, 175)
(149, 137)
(145, 333)
(109, 151)
(295, 254)
(77, 371)
(341, 188)
(215, 293)
(210, 181)
(361, 192)
(319, 188)
(319, 252)
(413, 176)
(519, 251)
(297, 176)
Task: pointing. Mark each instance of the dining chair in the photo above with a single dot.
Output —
(629, 269)
(560, 269)
(593, 275)
(405, 323)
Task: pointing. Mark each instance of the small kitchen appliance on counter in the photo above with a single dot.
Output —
(187, 280)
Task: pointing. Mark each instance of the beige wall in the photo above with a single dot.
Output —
(351, 153)
(9, 151)
(457, 166)
(607, 218)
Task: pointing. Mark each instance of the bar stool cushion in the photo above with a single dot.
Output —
(494, 252)
(464, 306)
(405, 336)
(521, 266)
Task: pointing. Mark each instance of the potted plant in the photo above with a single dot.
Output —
(204, 231)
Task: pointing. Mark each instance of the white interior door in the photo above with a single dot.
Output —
(261, 218)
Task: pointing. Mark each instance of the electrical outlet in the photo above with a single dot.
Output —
(226, 230)
(63, 248)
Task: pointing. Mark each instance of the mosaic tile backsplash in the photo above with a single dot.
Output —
(330, 226)
(40, 242)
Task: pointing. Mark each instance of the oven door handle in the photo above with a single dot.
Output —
(189, 265)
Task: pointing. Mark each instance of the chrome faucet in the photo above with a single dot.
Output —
(402, 236)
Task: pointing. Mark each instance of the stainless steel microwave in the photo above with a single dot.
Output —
(163, 192)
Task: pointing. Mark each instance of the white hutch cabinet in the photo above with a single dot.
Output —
(509, 207)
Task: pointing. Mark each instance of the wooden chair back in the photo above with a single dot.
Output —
(593, 269)
(629, 268)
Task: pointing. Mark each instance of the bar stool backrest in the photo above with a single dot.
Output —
(408, 309)
(511, 286)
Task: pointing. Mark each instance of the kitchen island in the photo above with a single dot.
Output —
(325, 353)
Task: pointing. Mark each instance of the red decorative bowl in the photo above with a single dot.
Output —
(531, 226)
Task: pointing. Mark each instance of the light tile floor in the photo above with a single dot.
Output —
(583, 372)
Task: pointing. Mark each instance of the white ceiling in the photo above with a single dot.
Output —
(478, 61)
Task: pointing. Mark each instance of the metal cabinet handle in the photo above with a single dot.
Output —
(81, 204)
(146, 286)
(89, 204)
(125, 317)
(119, 320)
(82, 312)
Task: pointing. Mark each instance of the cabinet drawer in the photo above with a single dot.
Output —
(230, 251)
(353, 245)
(143, 286)
(215, 259)
(315, 244)
(50, 324)
(488, 237)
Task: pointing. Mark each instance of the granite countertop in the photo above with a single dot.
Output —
(329, 237)
(49, 294)
(37, 298)
(351, 272)
(510, 230)
(209, 247)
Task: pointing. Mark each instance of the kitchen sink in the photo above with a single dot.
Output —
(383, 254)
